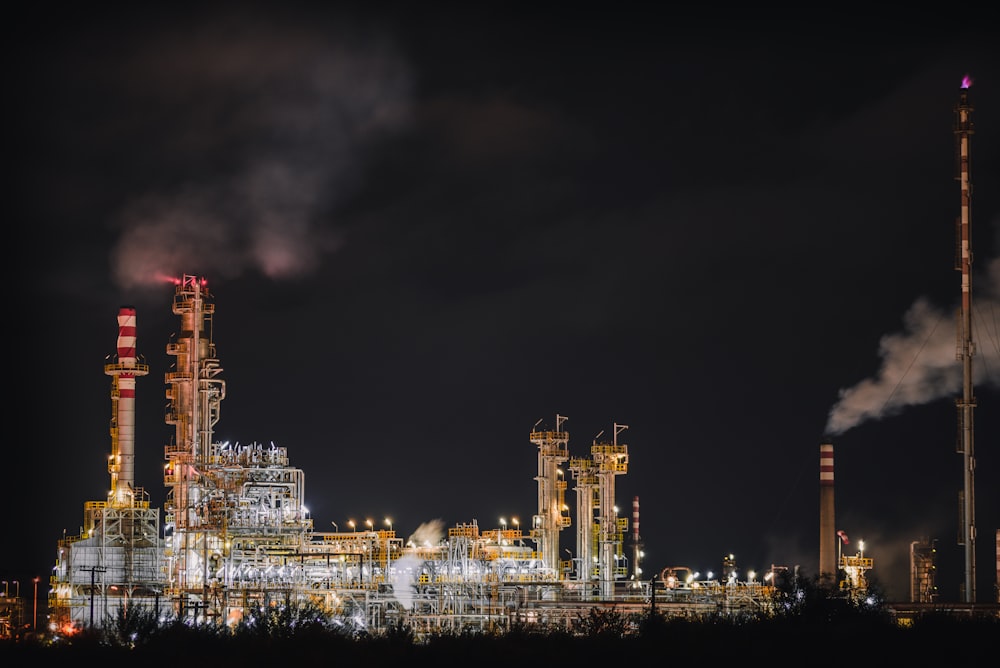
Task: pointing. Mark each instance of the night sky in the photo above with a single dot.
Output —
(427, 230)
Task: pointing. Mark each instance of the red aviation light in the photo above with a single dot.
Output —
(966, 81)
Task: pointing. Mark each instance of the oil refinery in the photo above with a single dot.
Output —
(236, 532)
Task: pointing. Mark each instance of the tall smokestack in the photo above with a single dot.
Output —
(967, 536)
(827, 519)
(636, 543)
(124, 371)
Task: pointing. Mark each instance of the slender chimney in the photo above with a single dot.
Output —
(827, 519)
(967, 536)
(124, 370)
(636, 543)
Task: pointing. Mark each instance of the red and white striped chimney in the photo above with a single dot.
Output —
(636, 543)
(125, 369)
(635, 519)
(126, 395)
(827, 519)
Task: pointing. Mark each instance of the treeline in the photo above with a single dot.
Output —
(810, 630)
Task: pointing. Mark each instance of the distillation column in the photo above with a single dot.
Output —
(553, 515)
(587, 501)
(967, 537)
(194, 392)
(610, 460)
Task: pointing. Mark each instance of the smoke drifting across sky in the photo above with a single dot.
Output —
(265, 140)
(919, 363)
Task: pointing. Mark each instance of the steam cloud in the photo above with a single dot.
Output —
(919, 364)
(405, 569)
(269, 129)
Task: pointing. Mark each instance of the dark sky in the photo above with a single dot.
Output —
(426, 230)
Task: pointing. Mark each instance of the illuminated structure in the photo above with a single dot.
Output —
(237, 534)
(119, 552)
(966, 347)
(923, 570)
(636, 541)
(553, 514)
(855, 568)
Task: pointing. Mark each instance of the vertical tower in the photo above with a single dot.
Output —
(636, 541)
(116, 561)
(587, 502)
(123, 371)
(610, 460)
(966, 348)
(553, 516)
(923, 565)
(827, 519)
(195, 392)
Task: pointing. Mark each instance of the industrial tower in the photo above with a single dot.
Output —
(827, 520)
(966, 347)
(553, 513)
(118, 551)
(610, 460)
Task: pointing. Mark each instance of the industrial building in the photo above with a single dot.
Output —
(236, 532)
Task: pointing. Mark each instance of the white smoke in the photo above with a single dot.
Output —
(405, 570)
(266, 129)
(919, 364)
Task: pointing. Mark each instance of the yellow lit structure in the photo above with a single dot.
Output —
(237, 534)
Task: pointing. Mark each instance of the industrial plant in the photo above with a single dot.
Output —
(235, 534)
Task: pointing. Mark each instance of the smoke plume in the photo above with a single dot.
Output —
(406, 569)
(919, 364)
(262, 131)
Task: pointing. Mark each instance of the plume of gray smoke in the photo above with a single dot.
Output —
(919, 364)
(272, 126)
